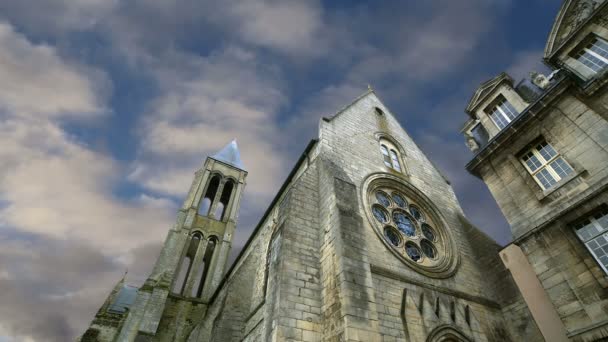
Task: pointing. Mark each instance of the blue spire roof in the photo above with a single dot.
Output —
(230, 155)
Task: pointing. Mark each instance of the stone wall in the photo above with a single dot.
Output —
(576, 126)
(575, 283)
(576, 132)
(351, 247)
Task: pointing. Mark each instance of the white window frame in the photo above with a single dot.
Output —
(391, 155)
(592, 231)
(544, 164)
(587, 48)
(500, 113)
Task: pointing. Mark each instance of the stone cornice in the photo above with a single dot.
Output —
(533, 111)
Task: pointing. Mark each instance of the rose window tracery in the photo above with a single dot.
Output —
(411, 227)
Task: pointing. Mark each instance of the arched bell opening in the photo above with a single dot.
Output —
(207, 200)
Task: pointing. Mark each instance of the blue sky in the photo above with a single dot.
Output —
(108, 107)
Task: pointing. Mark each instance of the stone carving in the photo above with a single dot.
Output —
(602, 19)
(579, 11)
(471, 143)
(539, 80)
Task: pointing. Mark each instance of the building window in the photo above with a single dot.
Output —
(545, 165)
(593, 232)
(409, 225)
(501, 112)
(406, 231)
(594, 55)
(390, 155)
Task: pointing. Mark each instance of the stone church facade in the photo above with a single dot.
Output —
(366, 240)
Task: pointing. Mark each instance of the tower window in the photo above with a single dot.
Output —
(224, 199)
(593, 232)
(185, 270)
(205, 266)
(545, 165)
(205, 205)
(594, 55)
(501, 112)
(390, 155)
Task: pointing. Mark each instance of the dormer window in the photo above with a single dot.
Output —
(390, 155)
(501, 112)
(594, 55)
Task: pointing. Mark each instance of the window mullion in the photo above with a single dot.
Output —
(504, 115)
(552, 170)
(598, 226)
(553, 173)
(540, 157)
(595, 54)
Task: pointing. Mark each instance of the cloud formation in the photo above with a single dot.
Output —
(64, 232)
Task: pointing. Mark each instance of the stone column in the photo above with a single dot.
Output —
(216, 198)
(215, 273)
(540, 305)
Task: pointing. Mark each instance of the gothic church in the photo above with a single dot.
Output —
(366, 240)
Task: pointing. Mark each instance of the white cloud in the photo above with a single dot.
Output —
(200, 109)
(36, 81)
(295, 27)
(64, 231)
(57, 187)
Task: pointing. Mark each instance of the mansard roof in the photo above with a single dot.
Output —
(230, 155)
(570, 18)
(485, 89)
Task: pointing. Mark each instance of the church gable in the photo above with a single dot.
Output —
(571, 16)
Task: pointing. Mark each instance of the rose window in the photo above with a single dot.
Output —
(411, 227)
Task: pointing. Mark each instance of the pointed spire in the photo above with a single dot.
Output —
(230, 155)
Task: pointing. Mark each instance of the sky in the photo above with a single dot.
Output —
(108, 107)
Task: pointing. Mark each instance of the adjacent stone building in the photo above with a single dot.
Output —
(541, 146)
(366, 240)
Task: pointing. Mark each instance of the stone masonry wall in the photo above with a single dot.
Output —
(575, 283)
(354, 130)
(576, 132)
(298, 289)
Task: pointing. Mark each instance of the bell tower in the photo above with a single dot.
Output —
(194, 256)
(211, 210)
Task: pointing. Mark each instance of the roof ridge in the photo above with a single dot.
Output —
(343, 109)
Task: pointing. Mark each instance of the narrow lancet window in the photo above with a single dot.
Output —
(395, 160)
(385, 155)
(205, 266)
(205, 204)
(390, 155)
(186, 265)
